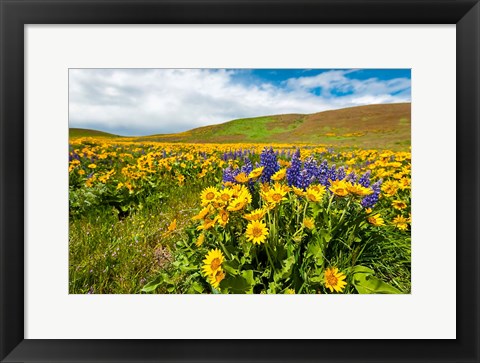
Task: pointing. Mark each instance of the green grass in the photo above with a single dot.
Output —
(254, 129)
(404, 121)
(111, 254)
(77, 132)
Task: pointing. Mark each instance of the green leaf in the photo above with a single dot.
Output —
(317, 279)
(366, 283)
(314, 250)
(248, 276)
(297, 239)
(197, 287)
(152, 285)
(239, 284)
(362, 269)
(273, 287)
(231, 267)
(316, 208)
(286, 270)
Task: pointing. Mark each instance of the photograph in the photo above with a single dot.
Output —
(159, 154)
(239, 181)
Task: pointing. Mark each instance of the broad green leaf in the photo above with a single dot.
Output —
(239, 284)
(366, 283)
(197, 287)
(248, 276)
(286, 270)
(316, 208)
(314, 250)
(152, 285)
(362, 269)
(317, 279)
(231, 267)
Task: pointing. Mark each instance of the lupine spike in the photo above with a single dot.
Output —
(269, 161)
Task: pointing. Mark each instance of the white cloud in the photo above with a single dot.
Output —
(147, 101)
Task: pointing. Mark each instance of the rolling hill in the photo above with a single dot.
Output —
(372, 126)
(77, 132)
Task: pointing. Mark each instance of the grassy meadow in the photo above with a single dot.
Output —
(284, 204)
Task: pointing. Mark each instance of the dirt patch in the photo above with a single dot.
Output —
(163, 256)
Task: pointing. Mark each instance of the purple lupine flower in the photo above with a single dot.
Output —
(74, 155)
(370, 200)
(352, 177)
(364, 181)
(341, 173)
(332, 173)
(310, 165)
(293, 170)
(247, 166)
(304, 179)
(247, 169)
(268, 160)
(229, 174)
(322, 173)
(323, 168)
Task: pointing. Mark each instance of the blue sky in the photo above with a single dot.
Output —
(151, 101)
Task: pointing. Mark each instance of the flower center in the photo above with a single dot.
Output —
(219, 276)
(312, 197)
(225, 197)
(332, 280)
(215, 264)
(257, 232)
(210, 196)
(276, 197)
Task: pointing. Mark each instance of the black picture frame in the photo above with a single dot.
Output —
(16, 13)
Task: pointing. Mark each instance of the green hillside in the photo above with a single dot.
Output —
(372, 126)
(77, 132)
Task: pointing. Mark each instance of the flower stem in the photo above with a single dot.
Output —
(224, 249)
(269, 257)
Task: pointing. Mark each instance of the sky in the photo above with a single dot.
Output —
(134, 102)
